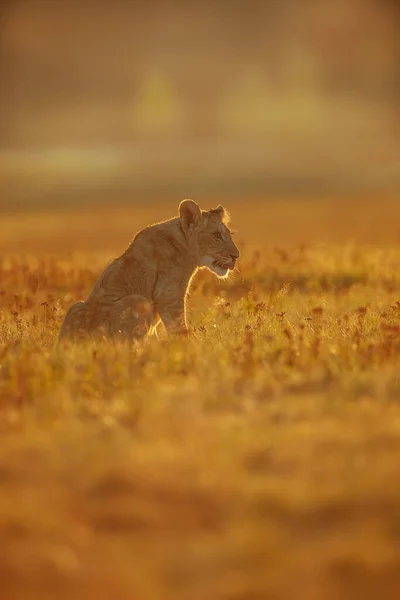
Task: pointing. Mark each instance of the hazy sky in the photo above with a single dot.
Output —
(80, 66)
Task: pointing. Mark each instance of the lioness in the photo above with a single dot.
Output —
(149, 281)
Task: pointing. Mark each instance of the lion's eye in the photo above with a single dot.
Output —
(217, 235)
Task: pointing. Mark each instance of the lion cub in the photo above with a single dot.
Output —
(149, 281)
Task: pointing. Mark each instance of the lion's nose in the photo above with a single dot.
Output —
(235, 255)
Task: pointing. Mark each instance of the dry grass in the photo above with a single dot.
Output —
(259, 459)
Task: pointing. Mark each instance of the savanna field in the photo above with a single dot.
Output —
(258, 459)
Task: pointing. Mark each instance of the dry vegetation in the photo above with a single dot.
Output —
(259, 459)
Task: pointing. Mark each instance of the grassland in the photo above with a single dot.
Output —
(258, 459)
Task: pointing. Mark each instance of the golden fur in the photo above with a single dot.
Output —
(149, 281)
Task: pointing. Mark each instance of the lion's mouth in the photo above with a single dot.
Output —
(220, 267)
(224, 266)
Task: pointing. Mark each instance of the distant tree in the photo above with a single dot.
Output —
(157, 109)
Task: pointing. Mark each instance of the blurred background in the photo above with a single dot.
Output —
(148, 99)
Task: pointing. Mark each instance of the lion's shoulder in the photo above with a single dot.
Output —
(159, 240)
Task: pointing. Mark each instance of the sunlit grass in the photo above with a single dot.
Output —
(258, 458)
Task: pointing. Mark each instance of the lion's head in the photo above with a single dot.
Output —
(208, 237)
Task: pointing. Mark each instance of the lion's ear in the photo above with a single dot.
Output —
(189, 213)
(222, 214)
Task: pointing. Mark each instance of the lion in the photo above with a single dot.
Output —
(149, 282)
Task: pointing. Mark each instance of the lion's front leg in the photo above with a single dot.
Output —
(171, 310)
